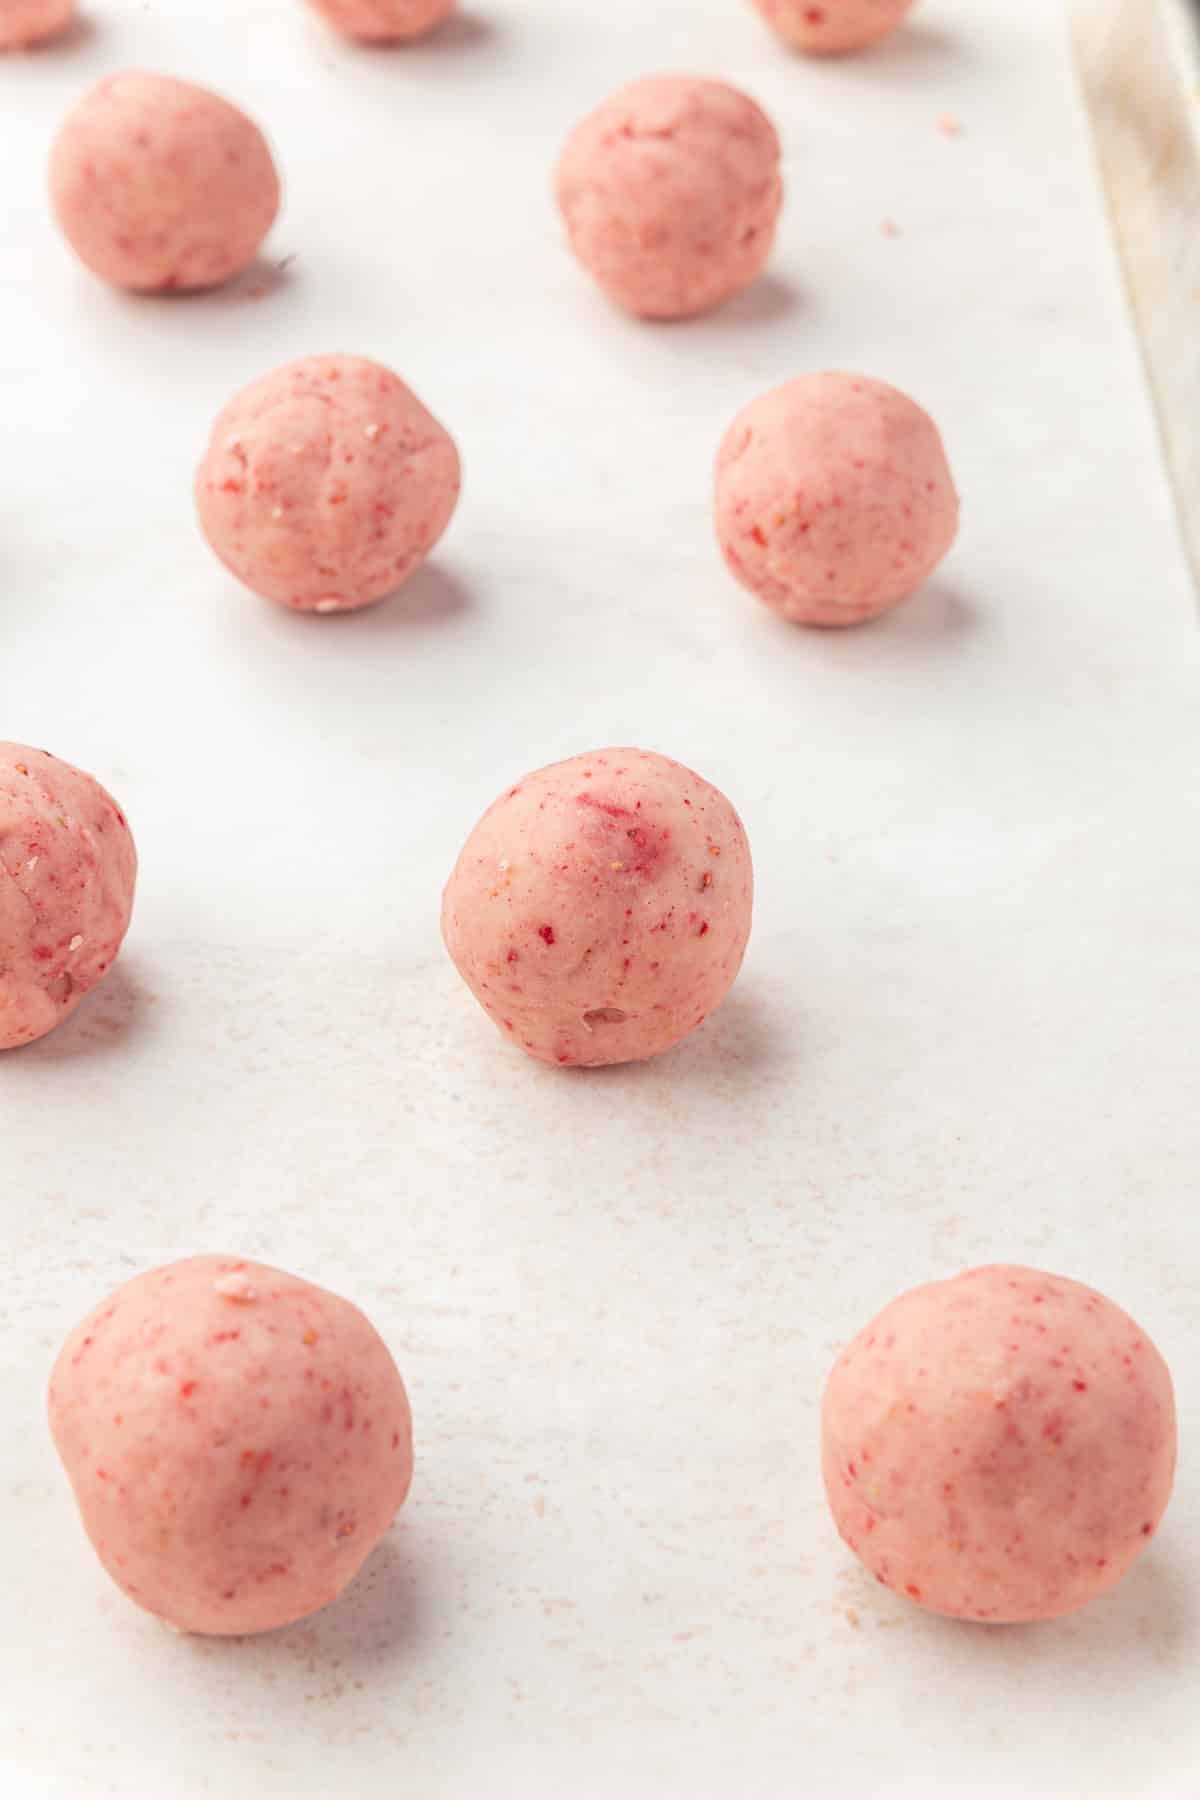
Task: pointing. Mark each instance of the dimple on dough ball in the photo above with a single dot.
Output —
(384, 21)
(67, 874)
(833, 499)
(830, 27)
(600, 909)
(1001, 1446)
(238, 1441)
(159, 185)
(25, 22)
(326, 484)
(670, 191)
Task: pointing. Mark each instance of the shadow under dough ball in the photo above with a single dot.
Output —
(27, 22)
(670, 192)
(833, 27)
(384, 21)
(600, 909)
(833, 498)
(326, 484)
(238, 1441)
(67, 874)
(999, 1447)
(160, 186)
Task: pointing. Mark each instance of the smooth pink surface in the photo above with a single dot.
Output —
(384, 21)
(238, 1441)
(24, 22)
(326, 484)
(999, 1447)
(67, 874)
(670, 191)
(159, 185)
(829, 27)
(833, 499)
(599, 911)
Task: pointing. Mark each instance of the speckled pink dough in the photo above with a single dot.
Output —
(25, 22)
(384, 21)
(326, 484)
(670, 191)
(600, 909)
(159, 185)
(833, 499)
(1001, 1446)
(67, 874)
(830, 27)
(238, 1441)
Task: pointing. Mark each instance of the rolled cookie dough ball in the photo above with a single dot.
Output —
(326, 484)
(600, 909)
(834, 500)
(159, 185)
(25, 22)
(238, 1441)
(67, 874)
(1000, 1446)
(829, 27)
(384, 21)
(670, 191)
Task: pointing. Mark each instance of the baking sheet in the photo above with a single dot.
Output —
(965, 1030)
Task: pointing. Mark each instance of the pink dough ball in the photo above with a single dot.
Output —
(238, 1441)
(25, 22)
(600, 909)
(384, 21)
(159, 185)
(1000, 1446)
(326, 484)
(670, 191)
(830, 27)
(67, 874)
(834, 500)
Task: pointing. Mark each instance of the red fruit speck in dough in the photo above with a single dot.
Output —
(605, 806)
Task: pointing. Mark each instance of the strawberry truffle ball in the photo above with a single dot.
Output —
(67, 874)
(326, 484)
(829, 27)
(159, 185)
(25, 22)
(1000, 1446)
(834, 500)
(600, 909)
(238, 1441)
(670, 191)
(384, 21)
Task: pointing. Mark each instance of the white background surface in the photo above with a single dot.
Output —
(965, 1030)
